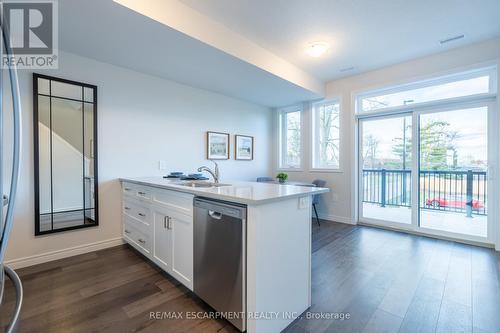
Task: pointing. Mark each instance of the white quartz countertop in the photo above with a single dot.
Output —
(250, 193)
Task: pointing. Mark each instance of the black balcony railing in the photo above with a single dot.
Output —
(456, 191)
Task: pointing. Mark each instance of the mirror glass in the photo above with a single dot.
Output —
(43, 87)
(66, 90)
(88, 95)
(65, 159)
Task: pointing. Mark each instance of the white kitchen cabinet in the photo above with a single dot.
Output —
(159, 223)
(182, 247)
(162, 252)
(173, 243)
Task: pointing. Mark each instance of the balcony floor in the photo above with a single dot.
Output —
(438, 220)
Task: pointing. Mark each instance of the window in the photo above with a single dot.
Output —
(290, 138)
(326, 135)
(455, 86)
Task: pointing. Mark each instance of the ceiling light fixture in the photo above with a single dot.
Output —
(317, 49)
(451, 39)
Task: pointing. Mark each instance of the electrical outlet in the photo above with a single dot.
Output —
(162, 165)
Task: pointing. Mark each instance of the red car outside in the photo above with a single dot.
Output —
(459, 203)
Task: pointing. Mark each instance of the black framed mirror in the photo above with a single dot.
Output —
(65, 149)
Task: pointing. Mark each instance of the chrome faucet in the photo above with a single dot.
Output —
(215, 173)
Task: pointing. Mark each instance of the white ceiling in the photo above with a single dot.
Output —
(108, 32)
(364, 34)
(254, 49)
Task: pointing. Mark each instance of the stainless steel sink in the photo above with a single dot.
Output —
(202, 184)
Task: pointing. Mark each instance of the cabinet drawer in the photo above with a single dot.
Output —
(140, 192)
(140, 240)
(137, 211)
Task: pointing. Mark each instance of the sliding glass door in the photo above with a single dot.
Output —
(453, 184)
(386, 163)
(450, 195)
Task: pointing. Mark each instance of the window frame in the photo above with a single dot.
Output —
(282, 139)
(490, 71)
(314, 134)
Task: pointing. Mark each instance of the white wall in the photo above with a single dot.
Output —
(339, 204)
(141, 120)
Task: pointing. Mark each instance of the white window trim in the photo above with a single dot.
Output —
(335, 100)
(281, 142)
(490, 71)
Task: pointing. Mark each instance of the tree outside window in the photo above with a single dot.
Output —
(290, 139)
(293, 139)
(326, 140)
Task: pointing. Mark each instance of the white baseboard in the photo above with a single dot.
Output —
(335, 218)
(64, 253)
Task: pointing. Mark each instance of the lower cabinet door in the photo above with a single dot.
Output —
(182, 248)
(162, 249)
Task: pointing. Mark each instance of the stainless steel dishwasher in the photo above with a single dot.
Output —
(220, 257)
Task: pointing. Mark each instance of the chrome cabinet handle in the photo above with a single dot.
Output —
(142, 215)
(126, 231)
(142, 241)
(167, 222)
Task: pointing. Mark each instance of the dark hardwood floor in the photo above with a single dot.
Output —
(385, 281)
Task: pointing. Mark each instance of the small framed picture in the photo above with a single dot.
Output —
(243, 147)
(217, 146)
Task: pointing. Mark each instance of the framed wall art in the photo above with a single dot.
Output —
(243, 147)
(217, 146)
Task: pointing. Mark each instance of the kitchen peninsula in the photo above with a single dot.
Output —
(160, 221)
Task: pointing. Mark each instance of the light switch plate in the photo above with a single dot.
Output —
(162, 165)
(303, 202)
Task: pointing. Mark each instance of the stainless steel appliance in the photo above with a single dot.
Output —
(220, 257)
(7, 202)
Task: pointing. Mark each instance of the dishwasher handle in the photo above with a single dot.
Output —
(215, 215)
